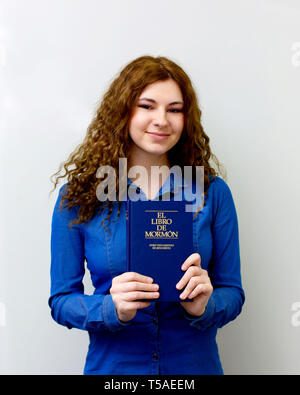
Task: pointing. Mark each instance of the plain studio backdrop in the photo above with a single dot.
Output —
(57, 58)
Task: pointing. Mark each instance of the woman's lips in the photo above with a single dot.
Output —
(158, 136)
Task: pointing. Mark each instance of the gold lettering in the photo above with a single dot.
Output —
(157, 234)
(161, 215)
(161, 221)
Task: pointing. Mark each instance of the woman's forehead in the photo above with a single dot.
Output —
(162, 90)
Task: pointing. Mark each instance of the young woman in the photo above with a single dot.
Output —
(150, 116)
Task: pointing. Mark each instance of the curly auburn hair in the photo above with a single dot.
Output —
(107, 138)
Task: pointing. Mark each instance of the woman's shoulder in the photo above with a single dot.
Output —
(219, 191)
(221, 199)
(218, 184)
(61, 208)
(61, 192)
(63, 189)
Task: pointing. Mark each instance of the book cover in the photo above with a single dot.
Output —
(159, 239)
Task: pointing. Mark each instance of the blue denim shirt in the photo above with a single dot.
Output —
(162, 338)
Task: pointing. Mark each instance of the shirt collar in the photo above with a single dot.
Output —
(172, 186)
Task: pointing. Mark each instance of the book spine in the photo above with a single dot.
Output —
(127, 236)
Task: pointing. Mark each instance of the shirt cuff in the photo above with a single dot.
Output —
(204, 320)
(110, 316)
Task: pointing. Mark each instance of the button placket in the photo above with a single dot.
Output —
(156, 340)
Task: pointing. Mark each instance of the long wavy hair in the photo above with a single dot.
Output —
(107, 138)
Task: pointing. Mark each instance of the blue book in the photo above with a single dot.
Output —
(159, 239)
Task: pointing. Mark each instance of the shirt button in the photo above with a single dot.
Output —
(155, 357)
(154, 321)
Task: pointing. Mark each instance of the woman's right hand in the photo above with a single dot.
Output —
(126, 291)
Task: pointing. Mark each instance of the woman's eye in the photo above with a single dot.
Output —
(175, 110)
(145, 106)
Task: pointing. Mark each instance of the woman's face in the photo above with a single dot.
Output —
(157, 120)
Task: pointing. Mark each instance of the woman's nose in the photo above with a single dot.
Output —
(160, 118)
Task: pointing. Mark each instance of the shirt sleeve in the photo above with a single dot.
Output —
(69, 305)
(228, 297)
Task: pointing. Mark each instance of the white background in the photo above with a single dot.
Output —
(57, 58)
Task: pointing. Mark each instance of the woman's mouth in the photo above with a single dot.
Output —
(158, 136)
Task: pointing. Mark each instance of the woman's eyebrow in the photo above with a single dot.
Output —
(153, 101)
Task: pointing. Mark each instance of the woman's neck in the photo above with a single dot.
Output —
(147, 161)
(147, 180)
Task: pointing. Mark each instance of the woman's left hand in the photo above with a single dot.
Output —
(197, 286)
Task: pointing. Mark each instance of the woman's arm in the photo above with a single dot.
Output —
(227, 298)
(69, 306)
